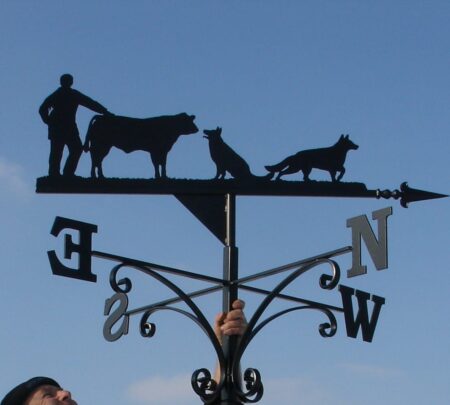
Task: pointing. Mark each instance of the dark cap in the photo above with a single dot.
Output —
(19, 394)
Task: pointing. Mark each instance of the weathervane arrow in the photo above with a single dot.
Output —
(408, 194)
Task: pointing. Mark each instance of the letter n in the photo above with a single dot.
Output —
(362, 318)
(377, 248)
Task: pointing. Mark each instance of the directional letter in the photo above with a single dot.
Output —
(118, 313)
(362, 318)
(377, 248)
(83, 249)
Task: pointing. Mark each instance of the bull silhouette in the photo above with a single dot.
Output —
(155, 135)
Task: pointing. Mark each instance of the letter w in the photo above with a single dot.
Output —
(362, 318)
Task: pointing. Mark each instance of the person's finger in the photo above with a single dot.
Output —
(235, 315)
(232, 324)
(219, 321)
(238, 304)
(236, 330)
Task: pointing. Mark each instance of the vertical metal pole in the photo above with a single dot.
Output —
(230, 293)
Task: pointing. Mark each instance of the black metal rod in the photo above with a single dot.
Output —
(173, 300)
(229, 295)
(224, 282)
(290, 266)
(291, 298)
(158, 267)
(210, 290)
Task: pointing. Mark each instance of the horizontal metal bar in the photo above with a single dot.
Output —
(171, 301)
(291, 298)
(289, 266)
(80, 185)
(157, 267)
(210, 290)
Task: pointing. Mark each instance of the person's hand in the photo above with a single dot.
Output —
(231, 323)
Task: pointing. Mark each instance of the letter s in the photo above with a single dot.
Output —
(115, 316)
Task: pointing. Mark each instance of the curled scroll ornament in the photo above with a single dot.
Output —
(202, 382)
(253, 385)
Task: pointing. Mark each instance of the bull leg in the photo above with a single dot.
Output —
(97, 156)
(100, 171)
(163, 167)
(155, 165)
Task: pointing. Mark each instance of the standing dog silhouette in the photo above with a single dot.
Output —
(330, 159)
(225, 158)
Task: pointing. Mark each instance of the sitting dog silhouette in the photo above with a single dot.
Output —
(330, 159)
(226, 159)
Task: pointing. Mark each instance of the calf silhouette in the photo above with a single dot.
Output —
(225, 158)
(330, 159)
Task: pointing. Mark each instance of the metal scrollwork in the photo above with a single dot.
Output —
(147, 329)
(123, 285)
(323, 327)
(328, 282)
(328, 329)
(253, 384)
(204, 385)
(251, 389)
(252, 378)
(202, 382)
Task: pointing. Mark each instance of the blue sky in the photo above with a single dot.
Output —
(278, 77)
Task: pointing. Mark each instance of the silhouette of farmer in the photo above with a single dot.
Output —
(58, 111)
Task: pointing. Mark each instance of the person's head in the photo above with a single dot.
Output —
(66, 80)
(38, 391)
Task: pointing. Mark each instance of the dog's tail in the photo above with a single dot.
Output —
(267, 176)
(278, 167)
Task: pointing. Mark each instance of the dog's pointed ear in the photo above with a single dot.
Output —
(346, 136)
(342, 137)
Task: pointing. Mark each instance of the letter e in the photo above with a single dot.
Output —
(83, 249)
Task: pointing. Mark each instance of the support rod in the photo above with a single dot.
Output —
(230, 294)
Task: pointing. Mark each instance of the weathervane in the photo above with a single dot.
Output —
(213, 202)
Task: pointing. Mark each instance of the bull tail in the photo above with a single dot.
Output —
(87, 141)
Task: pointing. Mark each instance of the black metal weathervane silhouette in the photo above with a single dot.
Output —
(213, 202)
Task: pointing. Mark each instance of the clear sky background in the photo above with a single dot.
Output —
(279, 77)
